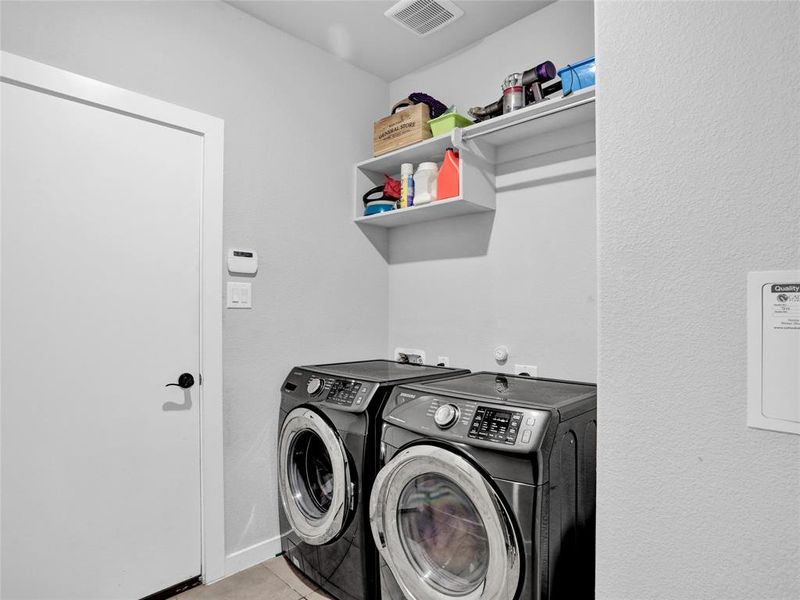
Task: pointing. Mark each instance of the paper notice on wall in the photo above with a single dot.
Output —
(774, 350)
(784, 302)
(781, 350)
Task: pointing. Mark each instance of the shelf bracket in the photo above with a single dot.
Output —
(457, 137)
(484, 155)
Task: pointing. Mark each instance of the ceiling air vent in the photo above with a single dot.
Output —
(423, 17)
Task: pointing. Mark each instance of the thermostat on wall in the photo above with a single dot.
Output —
(242, 261)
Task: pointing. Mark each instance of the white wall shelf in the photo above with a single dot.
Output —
(545, 127)
(476, 182)
(555, 116)
(451, 207)
(427, 150)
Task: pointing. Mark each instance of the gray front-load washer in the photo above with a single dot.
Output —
(487, 490)
(327, 455)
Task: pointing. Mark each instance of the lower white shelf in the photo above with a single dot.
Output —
(439, 209)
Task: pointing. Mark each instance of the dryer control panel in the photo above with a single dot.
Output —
(476, 423)
(496, 425)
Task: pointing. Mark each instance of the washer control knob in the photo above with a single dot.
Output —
(446, 416)
(315, 385)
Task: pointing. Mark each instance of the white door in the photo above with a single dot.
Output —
(100, 309)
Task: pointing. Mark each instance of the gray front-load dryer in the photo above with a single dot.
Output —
(327, 454)
(487, 490)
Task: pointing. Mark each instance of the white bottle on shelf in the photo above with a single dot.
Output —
(425, 183)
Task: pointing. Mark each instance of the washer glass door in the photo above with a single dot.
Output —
(442, 529)
(311, 474)
(314, 479)
(443, 533)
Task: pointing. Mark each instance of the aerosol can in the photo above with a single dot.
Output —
(513, 93)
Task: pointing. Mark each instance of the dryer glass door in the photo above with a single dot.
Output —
(314, 479)
(442, 529)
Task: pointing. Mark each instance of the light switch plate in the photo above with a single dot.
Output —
(240, 295)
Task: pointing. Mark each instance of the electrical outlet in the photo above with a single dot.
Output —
(530, 370)
(443, 361)
(410, 355)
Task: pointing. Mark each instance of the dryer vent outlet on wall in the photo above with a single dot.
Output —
(410, 355)
(423, 17)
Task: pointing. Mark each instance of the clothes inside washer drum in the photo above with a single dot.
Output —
(311, 474)
(443, 534)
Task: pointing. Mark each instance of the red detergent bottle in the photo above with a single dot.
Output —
(447, 185)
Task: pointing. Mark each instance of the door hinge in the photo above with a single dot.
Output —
(200, 378)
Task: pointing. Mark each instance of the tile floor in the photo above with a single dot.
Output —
(274, 579)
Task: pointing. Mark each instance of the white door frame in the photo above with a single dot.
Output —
(29, 74)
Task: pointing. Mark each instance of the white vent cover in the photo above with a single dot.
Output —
(423, 17)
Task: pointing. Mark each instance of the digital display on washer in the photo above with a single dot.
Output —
(493, 425)
(343, 392)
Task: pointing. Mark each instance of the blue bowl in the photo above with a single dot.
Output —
(379, 206)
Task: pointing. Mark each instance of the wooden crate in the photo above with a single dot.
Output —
(405, 127)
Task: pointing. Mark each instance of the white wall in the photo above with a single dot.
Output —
(320, 293)
(526, 277)
(698, 168)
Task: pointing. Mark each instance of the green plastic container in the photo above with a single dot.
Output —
(447, 123)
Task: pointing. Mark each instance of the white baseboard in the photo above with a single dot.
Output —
(253, 555)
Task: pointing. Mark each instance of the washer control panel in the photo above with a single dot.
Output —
(482, 424)
(343, 394)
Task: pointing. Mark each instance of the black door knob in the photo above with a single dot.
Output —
(185, 381)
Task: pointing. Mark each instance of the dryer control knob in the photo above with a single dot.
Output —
(446, 416)
(315, 385)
